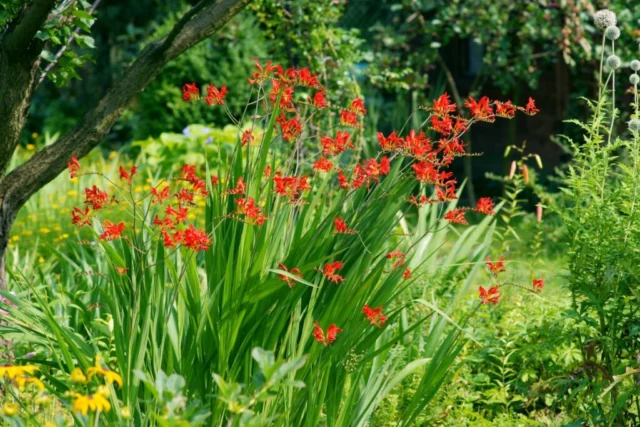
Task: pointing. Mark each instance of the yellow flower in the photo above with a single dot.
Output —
(113, 155)
(15, 238)
(50, 424)
(72, 193)
(12, 372)
(45, 230)
(31, 147)
(34, 136)
(77, 376)
(23, 380)
(10, 409)
(108, 375)
(125, 413)
(90, 402)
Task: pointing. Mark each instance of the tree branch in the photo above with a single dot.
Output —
(24, 181)
(34, 17)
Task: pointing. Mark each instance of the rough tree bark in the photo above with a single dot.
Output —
(19, 64)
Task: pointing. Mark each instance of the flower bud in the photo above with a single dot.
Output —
(612, 32)
(525, 174)
(604, 18)
(539, 212)
(613, 62)
(512, 172)
(635, 65)
(634, 79)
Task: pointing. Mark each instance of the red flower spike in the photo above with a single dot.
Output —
(497, 267)
(112, 231)
(188, 173)
(128, 175)
(490, 296)
(160, 196)
(323, 164)
(288, 280)
(216, 96)
(247, 207)
(178, 215)
(307, 79)
(456, 216)
(333, 147)
(80, 218)
(505, 109)
(407, 274)
(290, 129)
(261, 76)
(398, 258)
(185, 197)
(95, 197)
(443, 126)
(485, 206)
(340, 227)
(480, 110)
(285, 94)
(538, 285)
(247, 137)
(443, 106)
(240, 187)
(390, 143)
(122, 270)
(419, 201)
(196, 240)
(332, 332)
(357, 106)
(214, 180)
(190, 92)
(349, 118)
(320, 100)
(374, 316)
(531, 109)
(330, 271)
(74, 167)
(290, 186)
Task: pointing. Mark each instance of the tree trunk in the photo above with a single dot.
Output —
(7, 216)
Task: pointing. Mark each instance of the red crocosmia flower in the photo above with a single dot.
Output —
(497, 267)
(288, 280)
(333, 147)
(80, 217)
(538, 285)
(248, 137)
(340, 227)
(329, 337)
(199, 187)
(323, 164)
(357, 106)
(443, 106)
(443, 125)
(290, 186)
(374, 316)
(330, 271)
(385, 165)
(505, 109)
(531, 109)
(167, 240)
(398, 258)
(128, 175)
(456, 216)
(417, 145)
(214, 180)
(267, 171)
(451, 147)
(419, 201)
(261, 76)
(196, 240)
(122, 270)
(240, 187)
(289, 128)
(160, 196)
(320, 99)
(485, 206)
(95, 197)
(216, 96)
(490, 296)
(390, 143)
(480, 110)
(184, 196)
(167, 223)
(190, 92)
(349, 118)
(253, 214)
(460, 126)
(342, 180)
(406, 274)
(426, 172)
(307, 79)
(288, 76)
(74, 167)
(112, 231)
(179, 215)
(285, 94)
(447, 193)
(188, 172)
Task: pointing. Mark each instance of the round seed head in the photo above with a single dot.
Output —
(612, 32)
(614, 62)
(635, 65)
(634, 125)
(634, 79)
(604, 18)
